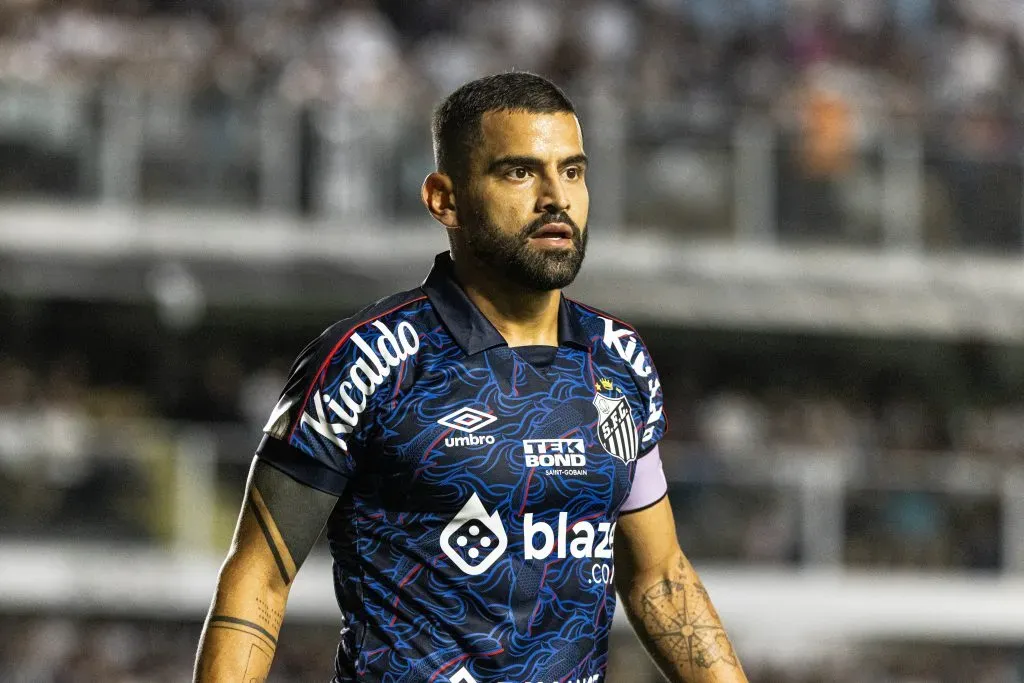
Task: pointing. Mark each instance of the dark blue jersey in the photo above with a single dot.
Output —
(479, 484)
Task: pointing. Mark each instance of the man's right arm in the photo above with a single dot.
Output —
(279, 522)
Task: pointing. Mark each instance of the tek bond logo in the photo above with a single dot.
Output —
(554, 453)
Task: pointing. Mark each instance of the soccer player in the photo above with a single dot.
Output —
(476, 447)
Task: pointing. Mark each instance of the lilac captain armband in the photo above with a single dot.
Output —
(649, 485)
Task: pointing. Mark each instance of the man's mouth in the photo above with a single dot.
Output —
(553, 232)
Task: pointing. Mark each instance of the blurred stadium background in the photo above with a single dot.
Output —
(813, 210)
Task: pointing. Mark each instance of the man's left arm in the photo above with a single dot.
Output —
(666, 602)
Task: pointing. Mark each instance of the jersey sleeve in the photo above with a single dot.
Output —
(650, 389)
(624, 342)
(318, 426)
(632, 349)
(649, 484)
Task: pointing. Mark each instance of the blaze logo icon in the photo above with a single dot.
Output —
(479, 538)
(462, 676)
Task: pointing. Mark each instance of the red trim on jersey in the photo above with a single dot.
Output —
(323, 366)
(536, 608)
(597, 311)
(544, 574)
(398, 384)
(401, 584)
(526, 491)
(379, 650)
(434, 443)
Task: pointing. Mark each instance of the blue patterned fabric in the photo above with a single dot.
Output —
(479, 484)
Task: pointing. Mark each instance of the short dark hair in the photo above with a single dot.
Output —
(456, 123)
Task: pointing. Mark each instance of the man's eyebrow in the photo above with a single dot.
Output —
(532, 162)
(574, 160)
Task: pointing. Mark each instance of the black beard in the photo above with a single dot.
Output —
(511, 256)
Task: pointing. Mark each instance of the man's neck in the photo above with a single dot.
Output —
(523, 317)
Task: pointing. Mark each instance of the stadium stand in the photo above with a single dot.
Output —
(826, 198)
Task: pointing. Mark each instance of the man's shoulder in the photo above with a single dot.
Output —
(396, 317)
(625, 356)
(620, 339)
(596, 320)
(401, 305)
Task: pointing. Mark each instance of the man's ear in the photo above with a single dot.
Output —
(438, 195)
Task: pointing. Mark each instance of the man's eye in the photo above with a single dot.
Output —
(573, 173)
(519, 173)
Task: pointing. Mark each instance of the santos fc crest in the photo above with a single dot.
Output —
(615, 427)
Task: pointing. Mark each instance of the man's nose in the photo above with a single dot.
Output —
(553, 198)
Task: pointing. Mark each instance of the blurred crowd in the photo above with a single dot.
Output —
(902, 459)
(886, 113)
(93, 457)
(903, 54)
(42, 649)
(88, 446)
(872, 107)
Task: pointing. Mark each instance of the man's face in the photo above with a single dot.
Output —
(524, 208)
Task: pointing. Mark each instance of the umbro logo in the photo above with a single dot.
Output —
(468, 420)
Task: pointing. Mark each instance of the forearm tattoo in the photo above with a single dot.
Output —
(290, 517)
(257, 665)
(681, 622)
(262, 645)
(250, 628)
(269, 615)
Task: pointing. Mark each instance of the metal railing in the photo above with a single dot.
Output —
(749, 176)
(178, 486)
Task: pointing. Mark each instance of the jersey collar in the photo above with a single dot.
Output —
(467, 325)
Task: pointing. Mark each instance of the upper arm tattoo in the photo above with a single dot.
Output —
(678, 616)
(290, 515)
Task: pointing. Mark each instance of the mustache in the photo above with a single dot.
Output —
(547, 219)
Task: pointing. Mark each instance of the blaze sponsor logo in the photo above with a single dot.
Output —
(337, 415)
(583, 540)
(623, 341)
(474, 540)
(468, 420)
(616, 430)
(554, 453)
